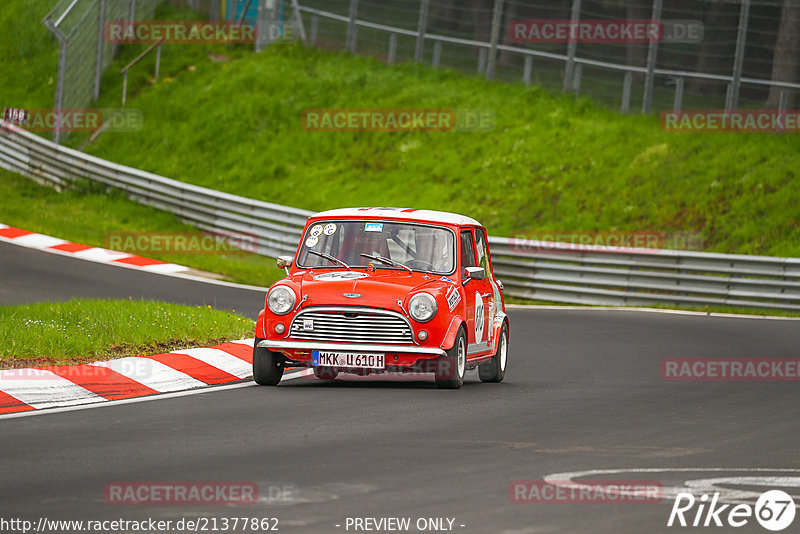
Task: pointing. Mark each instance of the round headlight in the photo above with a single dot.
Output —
(280, 300)
(422, 307)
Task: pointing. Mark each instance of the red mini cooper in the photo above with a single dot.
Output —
(375, 290)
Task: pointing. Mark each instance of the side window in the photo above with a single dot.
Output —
(483, 250)
(467, 251)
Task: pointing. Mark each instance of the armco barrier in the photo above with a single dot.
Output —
(529, 269)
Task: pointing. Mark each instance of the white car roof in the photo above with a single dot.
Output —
(400, 213)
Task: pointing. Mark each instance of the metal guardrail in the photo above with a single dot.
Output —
(276, 229)
(529, 269)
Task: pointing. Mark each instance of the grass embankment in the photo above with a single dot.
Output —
(80, 331)
(551, 164)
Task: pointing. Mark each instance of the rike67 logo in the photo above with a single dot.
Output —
(774, 511)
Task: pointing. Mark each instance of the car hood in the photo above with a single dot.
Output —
(379, 289)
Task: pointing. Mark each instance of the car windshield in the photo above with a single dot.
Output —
(416, 246)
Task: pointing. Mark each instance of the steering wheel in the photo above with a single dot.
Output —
(420, 264)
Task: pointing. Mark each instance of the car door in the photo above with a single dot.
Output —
(478, 296)
(487, 289)
(467, 259)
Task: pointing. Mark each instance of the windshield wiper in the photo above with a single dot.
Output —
(330, 258)
(387, 261)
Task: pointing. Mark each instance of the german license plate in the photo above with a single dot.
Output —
(359, 360)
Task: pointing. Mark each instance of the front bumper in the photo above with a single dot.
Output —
(278, 345)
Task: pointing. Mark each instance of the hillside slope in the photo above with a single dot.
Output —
(551, 163)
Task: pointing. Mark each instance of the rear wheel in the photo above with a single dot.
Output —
(451, 368)
(495, 369)
(325, 373)
(267, 366)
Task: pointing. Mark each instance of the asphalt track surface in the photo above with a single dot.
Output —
(582, 392)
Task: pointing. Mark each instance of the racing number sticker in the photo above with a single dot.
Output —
(479, 318)
(316, 231)
(329, 229)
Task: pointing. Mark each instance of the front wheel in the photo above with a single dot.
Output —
(267, 366)
(495, 369)
(451, 368)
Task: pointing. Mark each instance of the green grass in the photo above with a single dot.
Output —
(28, 55)
(552, 163)
(87, 215)
(80, 331)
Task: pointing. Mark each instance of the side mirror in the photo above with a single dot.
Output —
(470, 273)
(284, 262)
(500, 285)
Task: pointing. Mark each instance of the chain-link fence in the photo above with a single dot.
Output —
(83, 52)
(709, 53)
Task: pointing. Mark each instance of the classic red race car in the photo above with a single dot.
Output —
(374, 290)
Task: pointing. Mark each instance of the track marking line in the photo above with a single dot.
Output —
(40, 389)
(292, 376)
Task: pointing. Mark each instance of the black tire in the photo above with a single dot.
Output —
(451, 369)
(267, 366)
(326, 373)
(495, 369)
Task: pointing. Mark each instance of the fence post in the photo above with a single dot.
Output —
(678, 102)
(572, 45)
(783, 100)
(392, 49)
(267, 24)
(422, 26)
(132, 11)
(437, 54)
(245, 9)
(297, 18)
(352, 29)
(732, 100)
(497, 16)
(312, 32)
(158, 60)
(481, 60)
(652, 51)
(576, 79)
(627, 82)
(60, 81)
(98, 61)
(526, 70)
(124, 88)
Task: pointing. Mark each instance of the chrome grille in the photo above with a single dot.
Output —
(358, 325)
